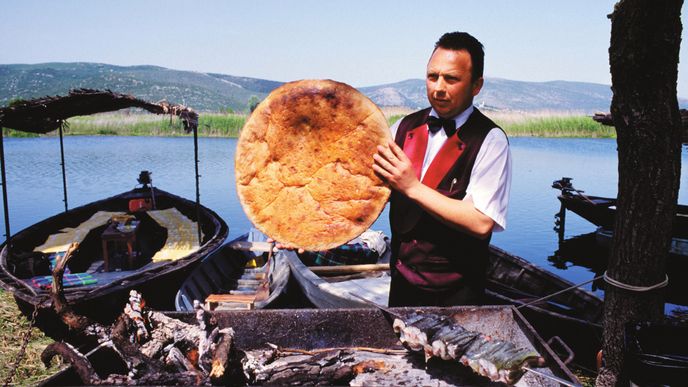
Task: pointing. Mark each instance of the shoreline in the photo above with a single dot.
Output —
(223, 125)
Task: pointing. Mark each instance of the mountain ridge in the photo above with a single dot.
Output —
(209, 91)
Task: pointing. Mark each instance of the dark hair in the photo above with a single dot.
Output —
(465, 41)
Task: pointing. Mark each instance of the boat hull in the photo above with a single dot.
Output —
(220, 271)
(601, 212)
(101, 302)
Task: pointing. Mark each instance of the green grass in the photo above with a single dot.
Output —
(17, 133)
(543, 124)
(394, 118)
(221, 125)
(13, 326)
(557, 126)
(209, 125)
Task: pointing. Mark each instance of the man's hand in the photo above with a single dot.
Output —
(284, 246)
(392, 164)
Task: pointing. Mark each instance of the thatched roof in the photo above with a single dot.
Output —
(46, 114)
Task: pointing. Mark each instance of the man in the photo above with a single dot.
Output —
(450, 170)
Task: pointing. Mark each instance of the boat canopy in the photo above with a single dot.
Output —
(43, 115)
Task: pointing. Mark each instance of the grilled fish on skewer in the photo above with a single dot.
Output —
(440, 336)
(456, 347)
(437, 345)
(416, 334)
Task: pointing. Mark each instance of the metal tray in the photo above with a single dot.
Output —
(369, 327)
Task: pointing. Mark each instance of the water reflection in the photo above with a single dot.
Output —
(585, 250)
(101, 166)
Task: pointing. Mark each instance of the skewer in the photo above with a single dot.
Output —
(382, 308)
(551, 377)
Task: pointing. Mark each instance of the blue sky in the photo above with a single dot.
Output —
(362, 43)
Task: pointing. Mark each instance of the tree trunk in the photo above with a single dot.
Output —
(643, 56)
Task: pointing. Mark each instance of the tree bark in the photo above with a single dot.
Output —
(643, 56)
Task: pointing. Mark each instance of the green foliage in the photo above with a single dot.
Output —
(391, 120)
(15, 101)
(17, 133)
(252, 103)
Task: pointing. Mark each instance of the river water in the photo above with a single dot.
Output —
(98, 167)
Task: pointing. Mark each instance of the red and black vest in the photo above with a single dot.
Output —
(429, 254)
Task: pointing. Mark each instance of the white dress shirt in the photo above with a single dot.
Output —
(490, 181)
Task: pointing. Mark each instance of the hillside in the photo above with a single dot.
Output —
(214, 92)
(202, 91)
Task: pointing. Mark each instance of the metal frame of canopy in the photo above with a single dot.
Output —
(43, 115)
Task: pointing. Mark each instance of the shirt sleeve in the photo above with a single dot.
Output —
(490, 181)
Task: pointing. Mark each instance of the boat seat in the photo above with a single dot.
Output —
(182, 235)
(61, 241)
(69, 279)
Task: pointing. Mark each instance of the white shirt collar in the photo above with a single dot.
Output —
(460, 118)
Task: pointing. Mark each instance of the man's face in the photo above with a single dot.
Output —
(448, 81)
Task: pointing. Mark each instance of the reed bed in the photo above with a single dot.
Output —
(516, 124)
(542, 124)
(209, 125)
(551, 124)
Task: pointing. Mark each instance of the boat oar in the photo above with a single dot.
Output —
(348, 269)
(559, 292)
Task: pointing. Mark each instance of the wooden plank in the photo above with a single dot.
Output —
(230, 301)
(348, 269)
(230, 298)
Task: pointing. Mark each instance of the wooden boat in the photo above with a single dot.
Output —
(678, 246)
(511, 280)
(164, 235)
(224, 275)
(156, 279)
(312, 329)
(601, 211)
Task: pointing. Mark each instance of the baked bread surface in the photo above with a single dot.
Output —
(303, 164)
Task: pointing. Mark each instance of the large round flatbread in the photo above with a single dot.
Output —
(304, 161)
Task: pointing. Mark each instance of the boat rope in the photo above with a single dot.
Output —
(634, 288)
(559, 292)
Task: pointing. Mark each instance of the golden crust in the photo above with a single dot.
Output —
(303, 164)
